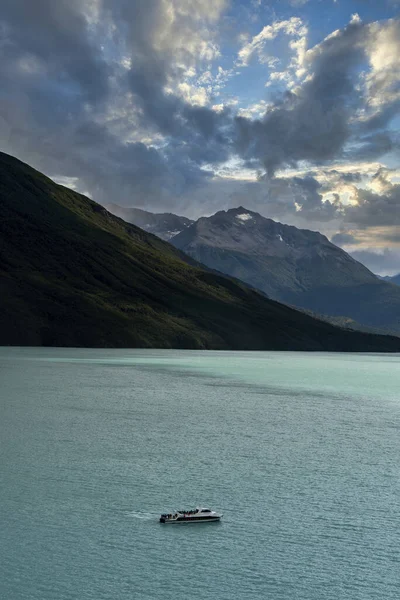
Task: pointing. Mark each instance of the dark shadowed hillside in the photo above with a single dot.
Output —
(72, 274)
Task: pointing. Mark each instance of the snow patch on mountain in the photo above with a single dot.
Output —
(244, 217)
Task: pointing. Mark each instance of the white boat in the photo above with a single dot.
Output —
(198, 515)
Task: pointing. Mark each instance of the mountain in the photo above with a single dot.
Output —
(72, 274)
(164, 225)
(295, 266)
(394, 279)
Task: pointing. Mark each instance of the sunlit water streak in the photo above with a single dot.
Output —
(301, 453)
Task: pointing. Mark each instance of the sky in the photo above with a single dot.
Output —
(288, 107)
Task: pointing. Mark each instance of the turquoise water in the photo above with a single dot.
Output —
(301, 452)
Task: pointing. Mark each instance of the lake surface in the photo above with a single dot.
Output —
(300, 451)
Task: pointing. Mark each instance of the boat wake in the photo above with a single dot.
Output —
(145, 516)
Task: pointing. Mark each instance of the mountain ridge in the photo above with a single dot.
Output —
(73, 274)
(299, 267)
(395, 279)
(164, 225)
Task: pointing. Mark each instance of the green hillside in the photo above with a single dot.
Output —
(72, 274)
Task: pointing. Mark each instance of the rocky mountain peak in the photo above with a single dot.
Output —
(292, 265)
(244, 230)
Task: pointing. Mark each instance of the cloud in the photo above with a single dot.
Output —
(52, 39)
(164, 41)
(340, 110)
(95, 90)
(382, 80)
(256, 46)
(382, 262)
(380, 84)
(125, 99)
(258, 109)
(301, 201)
(311, 123)
(373, 209)
(332, 195)
(344, 239)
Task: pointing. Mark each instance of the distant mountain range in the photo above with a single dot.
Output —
(164, 225)
(298, 267)
(72, 274)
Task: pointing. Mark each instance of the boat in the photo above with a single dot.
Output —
(198, 515)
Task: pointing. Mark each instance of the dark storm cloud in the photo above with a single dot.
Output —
(155, 64)
(58, 88)
(313, 123)
(369, 147)
(319, 120)
(300, 198)
(342, 176)
(55, 35)
(198, 128)
(370, 208)
(71, 106)
(382, 117)
(308, 199)
(375, 209)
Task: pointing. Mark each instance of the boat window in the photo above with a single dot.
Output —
(206, 510)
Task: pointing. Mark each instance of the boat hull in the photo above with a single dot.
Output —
(181, 520)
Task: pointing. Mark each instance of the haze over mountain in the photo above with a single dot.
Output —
(72, 274)
(395, 279)
(295, 266)
(164, 225)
